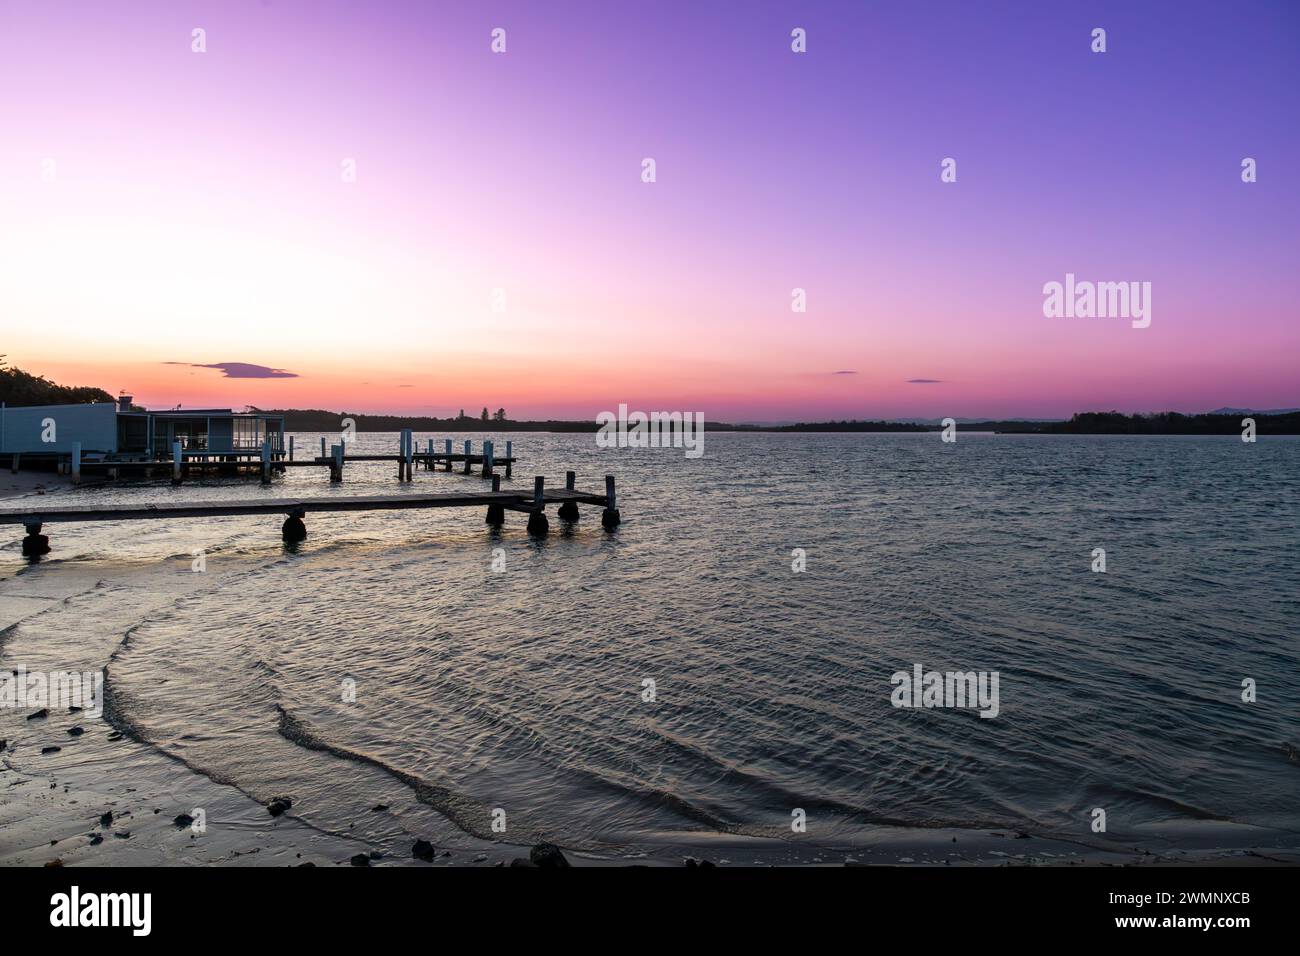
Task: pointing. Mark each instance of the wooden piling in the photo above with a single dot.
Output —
(176, 463)
(291, 448)
(569, 509)
(266, 461)
(537, 523)
(447, 464)
(487, 459)
(510, 454)
(322, 446)
(496, 513)
(467, 465)
(76, 462)
(14, 466)
(610, 518)
(336, 469)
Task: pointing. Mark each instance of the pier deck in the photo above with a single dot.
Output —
(295, 509)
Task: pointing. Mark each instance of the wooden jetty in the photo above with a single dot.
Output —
(294, 528)
(183, 463)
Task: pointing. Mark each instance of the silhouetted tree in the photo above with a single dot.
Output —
(500, 415)
(484, 416)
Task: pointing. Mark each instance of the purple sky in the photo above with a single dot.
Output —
(197, 215)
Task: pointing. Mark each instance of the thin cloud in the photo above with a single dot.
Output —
(848, 372)
(925, 381)
(242, 370)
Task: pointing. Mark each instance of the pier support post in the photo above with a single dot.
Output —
(293, 529)
(266, 461)
(446, 465)
(510, 454)
(428, 462)
(468, 446)
(176, 463)
(35, 544)
(609, 518)
(291, 448)
(537, 523)
(569, 509)
(496, 515)
(76, 462)
(336, 469)
(14, 467)
(487, 459)
(322, 446)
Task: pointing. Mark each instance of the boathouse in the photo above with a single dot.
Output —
(123, 432)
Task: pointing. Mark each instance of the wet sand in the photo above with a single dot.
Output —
(30, 483)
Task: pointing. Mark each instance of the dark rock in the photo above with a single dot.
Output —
(520, 861)
(3, 744)
(107, 819)
(361, 860)
(279, 805)
(50, 750)
(308, 863)
(76, 731)
(692, 862)
(54, 863)
(122, 834)
(96, 840)
(422, 850)
(74, 709)
(376, 855)
(116, 735)
(379, 808)
(547, 855)
(183, 820)
(43, 712)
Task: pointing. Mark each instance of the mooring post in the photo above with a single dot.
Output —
(487, 459)
(468, 445)
(322, 446)
(537, 523)
(294, 529)
(76, 462)
(609, 518)
(176, 463)
(569, 509)
(447, 464)
(266, 461)
(496, 515)
(510, 455)
(291, 448)
(336, 469)
(14, 466)
(401, 453)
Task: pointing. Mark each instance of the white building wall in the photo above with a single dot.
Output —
(95, 426)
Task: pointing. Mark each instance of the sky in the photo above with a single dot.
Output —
(183, 225)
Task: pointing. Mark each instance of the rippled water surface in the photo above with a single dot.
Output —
(523, 690)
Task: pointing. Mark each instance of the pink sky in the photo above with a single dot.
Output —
(197, 214)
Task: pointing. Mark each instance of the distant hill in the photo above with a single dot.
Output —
(19, 388)
(1253, 411)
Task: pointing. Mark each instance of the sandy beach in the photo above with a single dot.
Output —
(30, 483)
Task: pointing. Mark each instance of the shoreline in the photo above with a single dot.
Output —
(54, 815)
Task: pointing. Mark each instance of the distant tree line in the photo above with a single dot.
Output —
(1172, 423)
